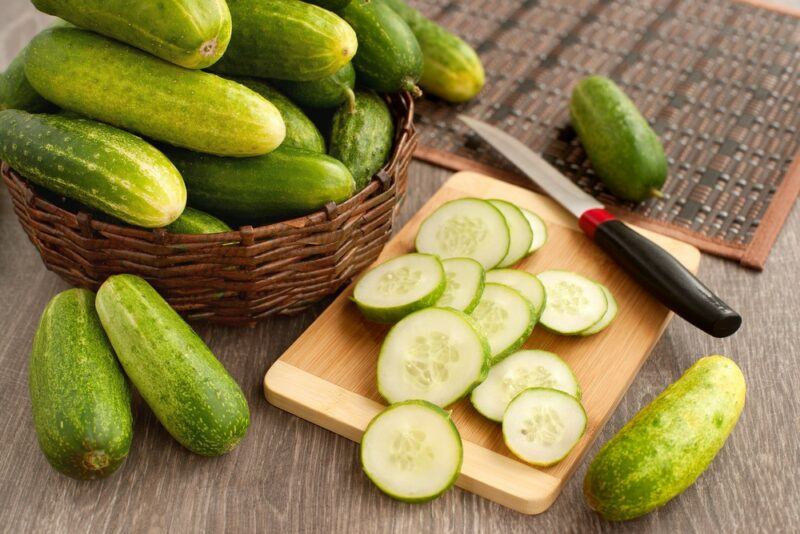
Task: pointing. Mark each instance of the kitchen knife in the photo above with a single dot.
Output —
(654, 268)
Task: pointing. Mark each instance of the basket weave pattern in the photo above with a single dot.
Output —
(237, 277)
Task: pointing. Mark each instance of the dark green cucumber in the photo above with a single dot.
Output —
(667, 445)
(363, 139)
(300, 131)
(120, 85)
(286, 182)
(194, 221)
(17, 93)
(189, 33)
(331, 5)
(389, 58)
(105, 168)
(327, 92)
(451, 68)
(625, 152)
(80, 399)
(188, 389)
(286, 40)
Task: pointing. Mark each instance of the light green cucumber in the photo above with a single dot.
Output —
(327, 92)
(505, 317)
(527, 284)
(608, 317)
(194, 221)
(464, 287)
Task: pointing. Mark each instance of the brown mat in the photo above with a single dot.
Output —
(719, 81)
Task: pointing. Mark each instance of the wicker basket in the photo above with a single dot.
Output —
(238, 277)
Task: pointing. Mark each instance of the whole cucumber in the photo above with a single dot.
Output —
(115, 83)
(668, 444)
(194, 221)
(80, 399)
(190, 33)
(363, 139)
(286, 182)
(389, 58)
(286, 40)
(326, 92)
(625, 152)
(187, 388)
(98, 165)
(451, 68)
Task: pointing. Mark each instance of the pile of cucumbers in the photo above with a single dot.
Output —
(137, 108)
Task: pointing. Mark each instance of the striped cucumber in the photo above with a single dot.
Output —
(188, 389)
(120, 85)
(326, 92)
(80, 399)
(190, 33)
(194, 221)
(105, 168)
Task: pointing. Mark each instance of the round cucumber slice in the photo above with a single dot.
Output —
(519, 371)
(412, 451)
(539, 229)
(521, 232)
(608, 317)
(400, 286)
(435, 354)
(464, 286)
(541, 425)
(574, 303)
(505, 317)
(465, 228)
(527, 284)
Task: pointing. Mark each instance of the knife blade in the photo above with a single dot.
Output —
(654, 268)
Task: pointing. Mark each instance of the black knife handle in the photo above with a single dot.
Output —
(666, 279)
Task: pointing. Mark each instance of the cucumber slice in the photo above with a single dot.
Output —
(608, 317)
(527, 284)
(574, 303)
(505, 317)
(412, 451)
(435, 354)
(541, 425)
(400, 286)
(521, 232)
(539, 229)
(465, 279)
(465, 228)
(522, 370)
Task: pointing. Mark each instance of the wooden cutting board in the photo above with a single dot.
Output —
(328, 375)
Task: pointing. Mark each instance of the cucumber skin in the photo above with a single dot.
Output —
(326, 92)
(120, 85)
(363, 139)
(389, 58)
(451, 68)
(300, 131)
(80, 399)
(330, 5)
(190, 33)
(194, 221)
(286, 182)
(305, 42)
(188, 389)
(669, 443)
(17, 93)
(105, 168)
(625, 152)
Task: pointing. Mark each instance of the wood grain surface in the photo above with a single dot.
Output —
(292, 476)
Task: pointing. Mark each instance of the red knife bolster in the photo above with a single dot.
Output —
(591, 219)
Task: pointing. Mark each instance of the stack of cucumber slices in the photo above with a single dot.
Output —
(460, 314)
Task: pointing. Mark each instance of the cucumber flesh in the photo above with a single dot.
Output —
(519, 371)
(400, 286)
(435, 354)
(574, 303)
(505, 317)
(412, 451)
(541, 425)
(608, 317)
(466, 228)
(539, 229)
(527, 284)
(464, 286)
(520, 230)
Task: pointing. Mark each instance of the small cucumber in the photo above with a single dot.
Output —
(362, 139)
(187, 388)
(625, 152)
(608, 317)
(327, 92)
(464, 287)
(527, 284)
(539, 229)
(79, 397)
(17, 93)
(521, 232)
(505, 317)
(667, 445)
(574, 303)
(194, 221)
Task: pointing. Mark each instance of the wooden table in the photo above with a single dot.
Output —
(291, 476)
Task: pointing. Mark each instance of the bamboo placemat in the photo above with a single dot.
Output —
(719, 81)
